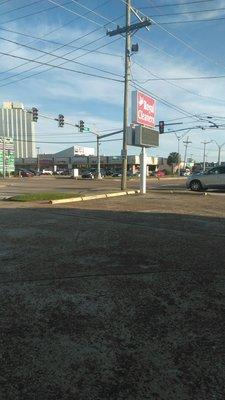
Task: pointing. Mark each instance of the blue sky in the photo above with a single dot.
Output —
(168, 50)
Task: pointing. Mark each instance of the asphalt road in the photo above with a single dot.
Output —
(14, 186)
(114, 299)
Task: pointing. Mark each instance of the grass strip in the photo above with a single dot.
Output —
(42, 196)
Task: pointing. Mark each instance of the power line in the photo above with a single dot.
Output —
(92, 11)
(177, 4)
(20, 8)
(168, 82)
(165, 102)
(187, 12)
(41, 39)
(186, 44)
(59, 67)
(185, 78)
(6, 1)
(193, 20)
(33, 13)
(72, 41)
(179, 87)
(64, 142)
(58, 57)
(75, 13)
(55, 29)
(49, 69)
(81, 47)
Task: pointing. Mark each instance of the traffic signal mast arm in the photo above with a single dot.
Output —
(57, 119)
(110, 134)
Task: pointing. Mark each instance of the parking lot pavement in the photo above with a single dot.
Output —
(14, 186)
(113, 299)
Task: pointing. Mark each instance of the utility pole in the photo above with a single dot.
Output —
(128, 29)
(126, 96)
(186, 144)
(204, 152)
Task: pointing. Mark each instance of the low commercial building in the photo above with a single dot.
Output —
(68, 159)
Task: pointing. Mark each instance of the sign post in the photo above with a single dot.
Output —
(143, 170)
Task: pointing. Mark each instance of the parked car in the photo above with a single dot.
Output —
(87, 175)
(25, 174)
(211, 179)
(133, 174)
(62, 172)
(47, 172)
(185, 172)
(33, 171)
(159, 174)
(116, 174)
(108, 172)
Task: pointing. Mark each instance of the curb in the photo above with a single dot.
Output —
(97, 196)
(178, 191)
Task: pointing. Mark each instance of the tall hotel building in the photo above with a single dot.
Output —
(17, 123)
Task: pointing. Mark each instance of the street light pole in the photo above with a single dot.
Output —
(179, 138)
(219, 150)
(99, 137)
(38, 161)
(3, 154)
(204, 152)
(98, 158)
(186, 144)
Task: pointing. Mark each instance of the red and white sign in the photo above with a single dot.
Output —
(143, 109)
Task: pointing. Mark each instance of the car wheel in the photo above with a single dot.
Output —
(196, 186)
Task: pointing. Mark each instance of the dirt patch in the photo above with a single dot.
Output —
(119, 299)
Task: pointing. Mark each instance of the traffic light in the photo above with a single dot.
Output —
(61, 120)
(35, 114)
(161, 126)
(81, 126)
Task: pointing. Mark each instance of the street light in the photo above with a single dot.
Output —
(179, 138)
(219, 150)
(98, 153)
(204, 153)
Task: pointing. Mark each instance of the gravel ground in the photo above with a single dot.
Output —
(113, 299)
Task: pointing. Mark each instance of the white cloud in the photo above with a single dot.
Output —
(101, 101)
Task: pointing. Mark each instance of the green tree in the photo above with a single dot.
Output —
(173, 159)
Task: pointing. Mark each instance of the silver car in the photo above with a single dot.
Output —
(212, 179)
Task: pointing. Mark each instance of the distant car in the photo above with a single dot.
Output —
(47, 172)
(33, 171)
(108, 173)
(133, 174)
(62, 172)
(116, 174)
(25, 174)
(211, 179)
(87, 175)
(185, 172)
(159, 174)
(102, 174)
